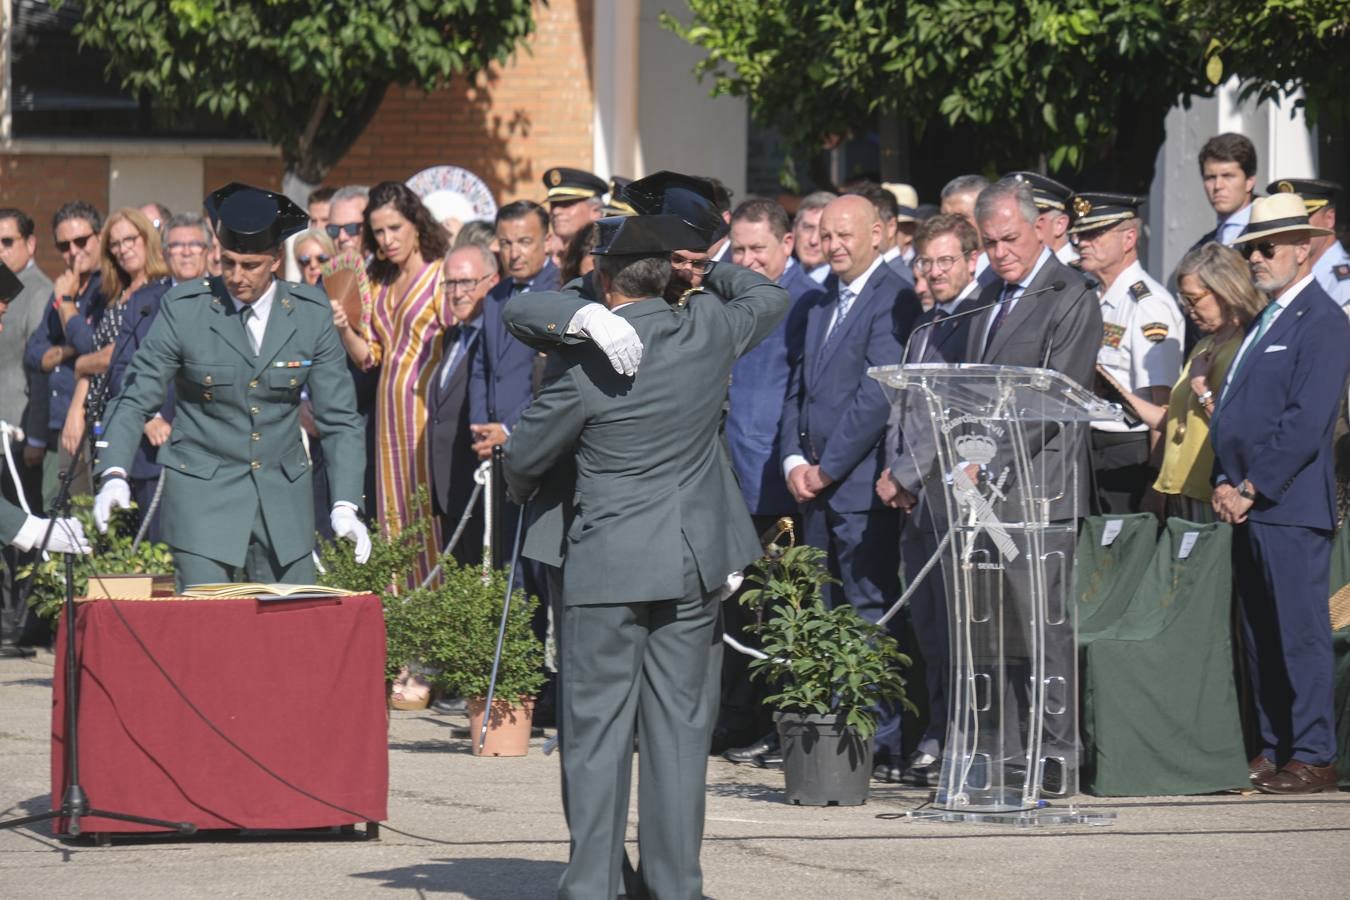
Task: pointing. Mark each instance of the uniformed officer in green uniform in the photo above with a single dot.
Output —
(657, 526)
(238, 350)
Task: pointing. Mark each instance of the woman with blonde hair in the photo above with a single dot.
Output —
(130, 258)
(313, 249)
(1215, 287)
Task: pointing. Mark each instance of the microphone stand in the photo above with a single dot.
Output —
(75, 802)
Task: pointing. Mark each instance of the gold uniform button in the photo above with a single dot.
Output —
(254, 410)
(552, 326)
(292, 382)
(207, 395)
(252, 384)
(206, 380)
(256, 436)
(182, 465)
(255, 465)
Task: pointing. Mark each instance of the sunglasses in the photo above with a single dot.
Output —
(7, 242)
(79, 242)
(1265, 248)
(306, 260)
(351, 228)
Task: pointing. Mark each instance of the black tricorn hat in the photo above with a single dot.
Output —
(691, 198)
(10, 285)
(646, 236)
(253, 220)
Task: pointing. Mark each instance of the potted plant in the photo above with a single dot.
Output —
(115, 553)
(459, 623)
(830, 668)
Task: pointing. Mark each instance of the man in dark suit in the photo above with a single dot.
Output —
(1275, 483)
(947, 248)
(658, 526)
(834, 421)
(469, 273)
(761, 240)
(1042, 314)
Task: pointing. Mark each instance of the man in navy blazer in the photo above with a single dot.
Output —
(1274, 482)
(834, 420)
(947, 247)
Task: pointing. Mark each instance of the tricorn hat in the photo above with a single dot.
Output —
(689, 197)
(10, 285)
(253, 220)
(1279, 213)
(616, 206)
(646, 236)
(1094, 210)
(1315, 192)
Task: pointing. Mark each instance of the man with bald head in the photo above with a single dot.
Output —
(834, 420)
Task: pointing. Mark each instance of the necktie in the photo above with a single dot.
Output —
(463, 335)
(246, 316)
(846, 298)
(938, 316)
(1262, 323)
(1006, 303)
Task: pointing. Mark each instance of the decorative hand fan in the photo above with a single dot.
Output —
(344, 279)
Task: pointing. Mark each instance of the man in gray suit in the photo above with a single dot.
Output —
(658, 525)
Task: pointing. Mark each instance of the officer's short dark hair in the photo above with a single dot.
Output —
(887, 207)
(721, 194)
(22, 220)
(636, 276)
(78, 209)
(1230, 147)
(762, 209)
(948, 224)
(321, 194)
(520, 209)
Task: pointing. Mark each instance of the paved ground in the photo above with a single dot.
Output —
(492, 829)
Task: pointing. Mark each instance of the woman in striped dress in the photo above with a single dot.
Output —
(403, 338)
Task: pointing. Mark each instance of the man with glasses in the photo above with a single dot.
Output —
(77, 291)
(468, 274)
(346, 217)
(19, 388)
(186, 250)
(1140, 355)
(1275, 483)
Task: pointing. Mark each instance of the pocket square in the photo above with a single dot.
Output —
(1276, 348)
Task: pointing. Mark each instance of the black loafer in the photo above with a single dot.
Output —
(741, 755)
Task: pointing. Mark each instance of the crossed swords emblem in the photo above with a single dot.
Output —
(978, 511)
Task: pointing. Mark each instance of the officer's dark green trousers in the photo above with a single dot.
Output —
(260, 563)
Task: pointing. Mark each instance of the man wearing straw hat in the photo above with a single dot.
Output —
(1274, 482)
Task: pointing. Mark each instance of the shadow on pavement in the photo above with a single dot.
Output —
(494, 878)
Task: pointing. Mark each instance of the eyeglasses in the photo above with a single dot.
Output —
(321, 258)
(185, 247)
(924, 264)
(79, 242)
(697, 266)
(351, 228)
(462, 284)
(123, 245)
(1265, 248)
(1191, 301)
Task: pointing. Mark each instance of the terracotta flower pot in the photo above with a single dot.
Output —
(508, 731)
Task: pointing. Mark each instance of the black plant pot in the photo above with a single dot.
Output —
(825, 762)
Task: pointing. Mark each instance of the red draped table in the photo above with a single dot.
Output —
(228, 713)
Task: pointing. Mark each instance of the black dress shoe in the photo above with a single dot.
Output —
(1261, 767)
(771, 760)
(741, 755)
(450, 706)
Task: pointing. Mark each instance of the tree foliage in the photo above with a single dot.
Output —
(309, 74)
(1036, 74)
(1279, 46)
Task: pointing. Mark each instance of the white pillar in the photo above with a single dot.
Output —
(614, 85)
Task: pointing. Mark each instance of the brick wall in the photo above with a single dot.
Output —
(509, 125)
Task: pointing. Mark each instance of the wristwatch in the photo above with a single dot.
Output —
(1246, 491)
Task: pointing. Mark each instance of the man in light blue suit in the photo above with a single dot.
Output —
(761, 240)
(834, 421)
(1275, 483)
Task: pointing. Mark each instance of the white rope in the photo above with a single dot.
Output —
(9, 434)
(148, 514)
(483, 476)
(459, 528)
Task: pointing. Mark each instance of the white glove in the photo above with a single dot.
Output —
(346, 524)
(115, 494)
(612, 334)
(67, 536)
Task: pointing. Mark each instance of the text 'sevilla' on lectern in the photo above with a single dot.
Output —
(997, 450)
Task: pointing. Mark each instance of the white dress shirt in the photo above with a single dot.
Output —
(262, 309)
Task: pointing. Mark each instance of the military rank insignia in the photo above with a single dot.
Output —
(1155, 331)
(1139, 290)
(1111, 335)
(1342, 271)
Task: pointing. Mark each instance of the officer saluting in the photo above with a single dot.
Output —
(238, 350)
(1142, 331)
